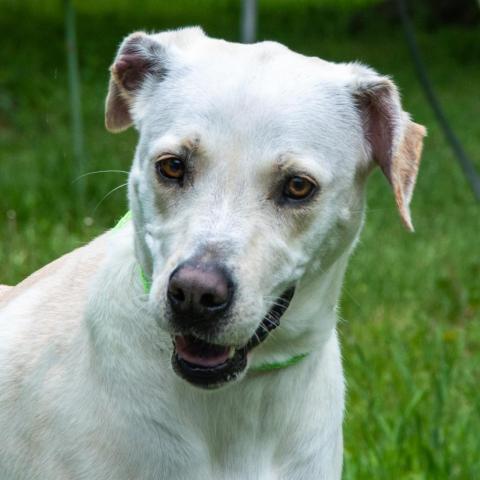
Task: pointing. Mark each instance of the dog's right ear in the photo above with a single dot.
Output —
(139, 57)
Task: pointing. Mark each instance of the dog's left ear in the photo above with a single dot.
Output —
(393, 140)
(139, 58)
(143, 60)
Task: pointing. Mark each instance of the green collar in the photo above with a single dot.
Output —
(147, 284)
(268, 367)
(123, 221)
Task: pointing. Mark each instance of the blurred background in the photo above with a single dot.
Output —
(410, 312)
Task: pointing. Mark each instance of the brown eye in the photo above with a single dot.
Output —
(298, 188)
(171, 167)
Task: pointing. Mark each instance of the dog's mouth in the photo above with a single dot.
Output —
(208, 365)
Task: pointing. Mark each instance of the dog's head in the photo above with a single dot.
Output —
(248, 183)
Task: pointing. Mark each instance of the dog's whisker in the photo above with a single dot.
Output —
(271, 297)
(107, 195)
(271, 336)
(125, 172)
(273, 322)
(271, 333)
(279, 303)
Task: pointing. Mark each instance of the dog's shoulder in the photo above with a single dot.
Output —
(4, 289)
(70, 270)
(47, 307)
(43, 339)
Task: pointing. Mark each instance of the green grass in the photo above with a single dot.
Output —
(410, 313)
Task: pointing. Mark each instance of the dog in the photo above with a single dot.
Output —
(197, 339)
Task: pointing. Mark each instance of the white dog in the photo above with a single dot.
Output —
(157, 351)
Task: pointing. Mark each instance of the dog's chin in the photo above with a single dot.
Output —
(209, 365)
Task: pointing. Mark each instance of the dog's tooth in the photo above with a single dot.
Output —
(231, 353)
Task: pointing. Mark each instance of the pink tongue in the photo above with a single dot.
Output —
(186, 351)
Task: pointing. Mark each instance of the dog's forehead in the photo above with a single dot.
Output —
(259, 95)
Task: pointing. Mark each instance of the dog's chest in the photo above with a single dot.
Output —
(212, 435)
(219, 438)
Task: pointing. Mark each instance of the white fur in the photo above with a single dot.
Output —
(86, 386)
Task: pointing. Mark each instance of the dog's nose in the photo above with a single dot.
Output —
(200, 290)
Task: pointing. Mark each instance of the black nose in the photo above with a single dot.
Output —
(199, 291)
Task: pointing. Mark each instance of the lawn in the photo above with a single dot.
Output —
(410, 312)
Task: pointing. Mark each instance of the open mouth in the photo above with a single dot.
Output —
(208, 365)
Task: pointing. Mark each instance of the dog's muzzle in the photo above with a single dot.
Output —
(208, 365)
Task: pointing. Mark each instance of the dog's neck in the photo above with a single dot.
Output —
(310, 319)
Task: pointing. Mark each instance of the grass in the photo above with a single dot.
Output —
(410, 312)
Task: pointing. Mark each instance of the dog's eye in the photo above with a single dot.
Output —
(171, 167)
(299, 188)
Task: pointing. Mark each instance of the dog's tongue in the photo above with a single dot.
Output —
(197, 352)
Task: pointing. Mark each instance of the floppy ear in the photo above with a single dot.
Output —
(143, 58)
(393, 140)
(139, 57)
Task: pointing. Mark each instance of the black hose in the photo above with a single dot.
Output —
(462, 157)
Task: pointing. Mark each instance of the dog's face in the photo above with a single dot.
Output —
(247, 181)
